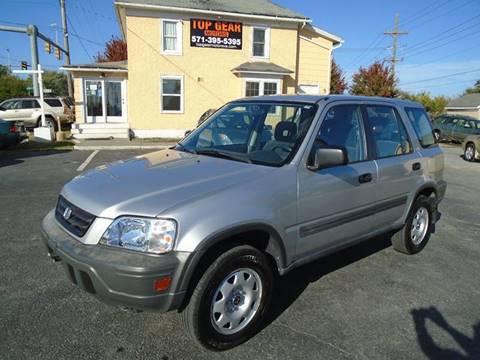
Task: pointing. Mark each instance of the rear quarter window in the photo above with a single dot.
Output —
(421, 124)
(53, 102)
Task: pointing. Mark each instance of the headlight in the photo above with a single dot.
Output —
(154, 236)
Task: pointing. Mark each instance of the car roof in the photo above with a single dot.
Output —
(314, 99)
(33, 98)
(453, 116)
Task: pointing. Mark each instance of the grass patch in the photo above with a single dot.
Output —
(43, 146)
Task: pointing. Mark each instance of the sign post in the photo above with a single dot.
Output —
(43, 132)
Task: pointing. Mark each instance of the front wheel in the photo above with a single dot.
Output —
(469, 153)
(230, 300)
(413, 237)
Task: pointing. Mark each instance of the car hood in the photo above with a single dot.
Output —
(150, 184)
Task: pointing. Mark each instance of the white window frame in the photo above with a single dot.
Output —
(262, 82)
(179, 42)
(261, 87)
(182, 92)
(267, 42)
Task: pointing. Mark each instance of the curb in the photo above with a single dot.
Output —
(120, 147)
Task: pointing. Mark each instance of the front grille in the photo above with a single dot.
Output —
(77, 222)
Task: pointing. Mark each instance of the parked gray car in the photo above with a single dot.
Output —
(206, 226)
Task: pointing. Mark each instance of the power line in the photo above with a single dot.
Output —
(440, 85)
(428, 42)
(79, 40)
(445, 13)
(425, 12)
(442, 45)
(442, 77)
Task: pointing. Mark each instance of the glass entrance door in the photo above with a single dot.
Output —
(114, 101)
(105, 101)
(94, 101)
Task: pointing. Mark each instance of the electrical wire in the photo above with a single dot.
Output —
(442, 77)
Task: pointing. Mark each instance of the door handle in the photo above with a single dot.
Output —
(416, 166)
(365, 178)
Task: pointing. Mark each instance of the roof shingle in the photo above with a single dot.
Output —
(466, 101)
(253, 7)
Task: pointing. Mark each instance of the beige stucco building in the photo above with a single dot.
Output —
(186, 57)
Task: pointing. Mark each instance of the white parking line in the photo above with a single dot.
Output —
(87, 161)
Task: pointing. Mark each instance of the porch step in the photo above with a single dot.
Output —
(100, 136)
(100, 131)
(100, 126)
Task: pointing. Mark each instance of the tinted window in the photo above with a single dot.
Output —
(421, 124)
(30, 104)
(388, 132)
(7, 105)
(342, 127)
(54, 102)
(267, 133)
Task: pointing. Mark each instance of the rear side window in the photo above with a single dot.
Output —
(389, 135)
(342, 127)
(54, 102)
(421, 124)
(30, 104)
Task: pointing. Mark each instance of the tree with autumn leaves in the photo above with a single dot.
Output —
(338, 84)
(375, 80)
(115, 50)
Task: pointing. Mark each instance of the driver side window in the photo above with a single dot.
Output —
(343, 127)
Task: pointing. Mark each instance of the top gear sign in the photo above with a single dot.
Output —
(216, 34)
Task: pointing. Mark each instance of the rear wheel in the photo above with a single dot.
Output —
(49, 122)
(469, 153)
(413, 237)
(230, 300)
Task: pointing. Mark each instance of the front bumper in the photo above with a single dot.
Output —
(117, 276)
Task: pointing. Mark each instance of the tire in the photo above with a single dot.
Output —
(470, 151)
(404, 241)
(49, 121)
(204, 325)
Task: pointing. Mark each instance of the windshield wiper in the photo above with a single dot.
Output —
(226, 155)
(184, 149)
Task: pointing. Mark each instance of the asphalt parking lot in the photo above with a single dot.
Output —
(367, 302)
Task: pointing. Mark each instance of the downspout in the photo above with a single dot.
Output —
(335, 47)
(297, 64)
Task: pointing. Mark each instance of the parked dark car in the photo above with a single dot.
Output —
(455, 128)
(11, 133)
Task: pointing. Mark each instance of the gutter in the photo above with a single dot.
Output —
(92, 69)
(211, 12)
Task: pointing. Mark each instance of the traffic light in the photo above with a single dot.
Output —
(58, 54)
(24, 65)
(48, 47)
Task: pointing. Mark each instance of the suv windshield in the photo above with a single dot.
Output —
(267, 133)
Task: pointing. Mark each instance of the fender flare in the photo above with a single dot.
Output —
(275, 248)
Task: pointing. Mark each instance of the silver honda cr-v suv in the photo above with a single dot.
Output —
(263, 186)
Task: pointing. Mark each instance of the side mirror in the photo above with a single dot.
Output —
(2, 108)
(323, 157)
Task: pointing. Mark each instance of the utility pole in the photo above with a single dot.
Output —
(32, 32)
(66, 45)
(395, 34)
